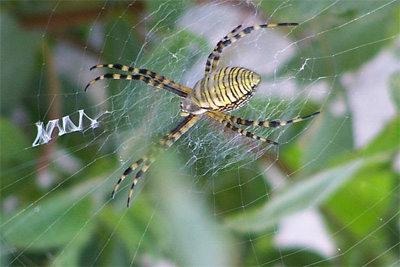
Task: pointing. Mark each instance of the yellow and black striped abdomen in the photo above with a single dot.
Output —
(225, 89)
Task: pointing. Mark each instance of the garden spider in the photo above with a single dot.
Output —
(220, 90)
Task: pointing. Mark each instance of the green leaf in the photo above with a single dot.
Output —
(385, 146)
(167, 13)
(394, 84)
(17, 50)
(196, 240)
(304, 10)
(368, 204)
(244, 179)
(132, 226)
(14, 154)
(369, 193)
(342, 47)
(328, 11)
(175, 53)
(123, 43)
(50, 223)
(296, 197)
(70, 255)
(387, 141)
(333, 137)
(5, 251)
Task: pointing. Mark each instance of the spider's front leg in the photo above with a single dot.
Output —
(144, 75)
(145, 79)
(145, 72)
(213, 53)
(167, 141)
(233, 36)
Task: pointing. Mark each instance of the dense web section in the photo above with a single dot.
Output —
(238, 194)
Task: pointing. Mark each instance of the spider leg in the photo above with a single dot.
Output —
(231, 33)
(213, 58)
(246, 133)
(144, 72)
(167, 141)
(273, 124)
(226, 37)
(150, 81)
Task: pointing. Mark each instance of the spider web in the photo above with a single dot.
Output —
(326, 195)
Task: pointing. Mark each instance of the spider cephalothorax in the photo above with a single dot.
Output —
(220, 90)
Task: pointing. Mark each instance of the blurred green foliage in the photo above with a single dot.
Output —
(228, 219)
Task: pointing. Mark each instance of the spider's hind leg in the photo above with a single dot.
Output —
(217, 116)
(127, 172)
(273, 124)
(168, 140)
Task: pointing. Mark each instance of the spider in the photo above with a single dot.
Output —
(220, 90)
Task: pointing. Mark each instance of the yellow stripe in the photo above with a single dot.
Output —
(230, 90)
(145, 167)
(168, 143)
(209, 99)
(222, 89)
(232, 83)
(201, 95)
(247, 81)
(219, 87)
(237, 85)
